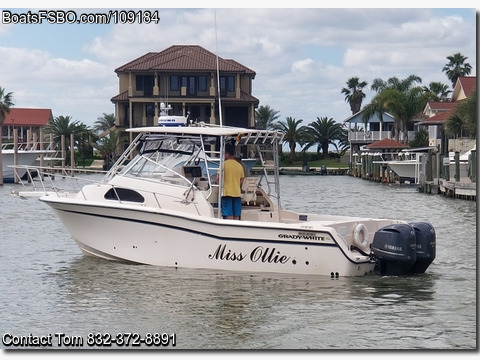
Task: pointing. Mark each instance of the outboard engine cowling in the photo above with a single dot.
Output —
(394, 247)
(426, 245)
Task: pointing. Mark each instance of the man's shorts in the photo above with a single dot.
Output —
(231, 206)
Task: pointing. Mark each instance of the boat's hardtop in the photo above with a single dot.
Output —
(224, 131)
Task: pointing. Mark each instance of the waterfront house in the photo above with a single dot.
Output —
(28, 122)
(436, 114)
(184, 77)
(361, 133)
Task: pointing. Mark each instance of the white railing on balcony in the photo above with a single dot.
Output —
(373, 135)
(368, 135)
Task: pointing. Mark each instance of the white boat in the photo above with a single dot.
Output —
(26, 155)
(158, 206)
(408, 164)
(406, 169)
(165, 119)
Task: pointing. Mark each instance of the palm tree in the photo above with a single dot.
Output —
(265, 116)
(453, 126)
(439, 90)
(294, 133)
(456, 67)
(104, 123)
(464, 117)
(6, 101)
(401, 98)
(107, 146)
(324, 132)
(354, 94)
(85, 141)
(63, 125)
(379, 85)
(343, 142)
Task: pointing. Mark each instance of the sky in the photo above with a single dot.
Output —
(302, 56)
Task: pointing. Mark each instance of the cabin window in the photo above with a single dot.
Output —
(124, 195)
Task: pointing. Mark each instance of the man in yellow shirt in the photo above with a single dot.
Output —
(233, 175)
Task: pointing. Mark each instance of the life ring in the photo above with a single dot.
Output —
(360, 236)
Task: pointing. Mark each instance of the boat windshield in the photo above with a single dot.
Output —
(167, 160)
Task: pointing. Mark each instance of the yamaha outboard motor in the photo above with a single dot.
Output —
(394, 247)
(426, 239)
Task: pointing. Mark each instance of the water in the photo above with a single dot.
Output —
(48, 286)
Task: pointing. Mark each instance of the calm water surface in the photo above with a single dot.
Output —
(48, 286)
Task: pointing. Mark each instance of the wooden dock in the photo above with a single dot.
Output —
(458, 189)
(330, 170)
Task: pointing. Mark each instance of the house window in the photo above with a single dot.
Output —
(231, 83)
(202, 83)
(150, 110)
(139, 82)
(227, 84)
(192, 85)
(144, 83)
(174, 83)
(189, 82)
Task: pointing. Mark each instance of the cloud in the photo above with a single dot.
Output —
(302, 57)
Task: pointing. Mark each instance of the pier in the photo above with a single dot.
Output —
(330, 170)
(435, 174)
(460, 190)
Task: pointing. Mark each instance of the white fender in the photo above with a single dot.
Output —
(360, 236)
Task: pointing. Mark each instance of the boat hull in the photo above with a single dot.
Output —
(24, 158)
(405, 169)
(173, 240)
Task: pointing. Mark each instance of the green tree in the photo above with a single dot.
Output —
(467, 110)
(107, 146)
(403, 99)
(453, 126)
(420, 139)
(6, 101)
(265, 117)
(343, 142)
(294, 133)
(456, 67)
(464, 117)
(354, 94)
(85, 142)
(324, 132)
(439, 90)
(105, 122)
(379, 85)
(63, 125)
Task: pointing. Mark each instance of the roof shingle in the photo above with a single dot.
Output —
(28, 117)
(183, 58)
(386, 144)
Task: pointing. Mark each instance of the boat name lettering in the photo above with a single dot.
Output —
(303, 236)
(260, 253)
(223, 254)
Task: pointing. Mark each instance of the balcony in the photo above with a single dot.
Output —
(367, 137)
